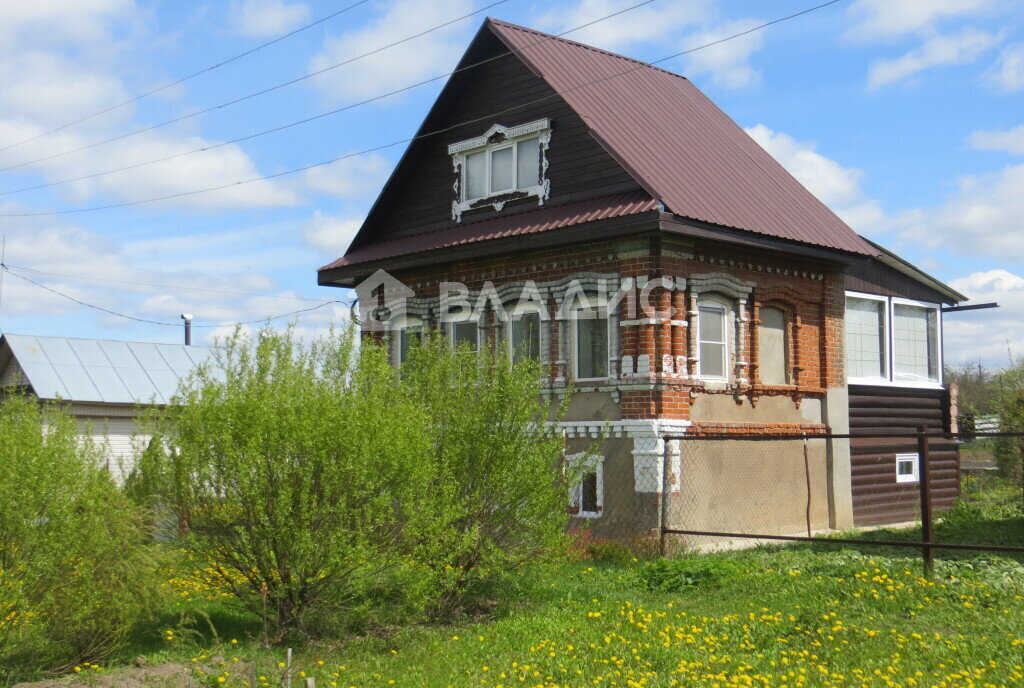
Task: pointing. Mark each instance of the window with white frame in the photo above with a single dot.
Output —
(586, 496)
(504, 160)
(866, 338)
(772, 347)
(713, 340)
(892, 341)
(590, 342)
(524, 335)
(915, 345)
(410, 335)
(907, 468)
(465, 333)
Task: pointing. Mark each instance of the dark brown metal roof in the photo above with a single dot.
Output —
(678, 144)
(529, 222)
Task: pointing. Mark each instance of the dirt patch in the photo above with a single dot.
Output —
(159, 676)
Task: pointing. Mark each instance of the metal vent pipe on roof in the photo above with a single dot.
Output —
(187, 317)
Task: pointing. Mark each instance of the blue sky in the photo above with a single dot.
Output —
(906, 118)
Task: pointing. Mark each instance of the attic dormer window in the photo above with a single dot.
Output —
(502, 165)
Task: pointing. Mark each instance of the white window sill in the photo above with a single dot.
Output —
(878, 382)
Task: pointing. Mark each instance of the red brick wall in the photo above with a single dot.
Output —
(810, 292)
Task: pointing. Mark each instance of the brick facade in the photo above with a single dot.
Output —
(653, 373)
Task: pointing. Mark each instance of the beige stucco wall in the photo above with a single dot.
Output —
(724, 408)
(750, 487)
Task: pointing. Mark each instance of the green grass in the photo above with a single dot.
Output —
(773, 616)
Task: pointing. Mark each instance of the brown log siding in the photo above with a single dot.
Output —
(877, 497)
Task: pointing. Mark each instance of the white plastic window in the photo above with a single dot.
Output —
(907, 468)
(524, 336)
(866, 335)
(712, 339)
(501, 168)
(915, 333)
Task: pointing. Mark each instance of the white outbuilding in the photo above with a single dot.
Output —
(105, 384)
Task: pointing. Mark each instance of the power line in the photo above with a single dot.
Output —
(556, 94)
(161, 286)
(254, 94)
(147, 321)
(335, 111)
(183, 79)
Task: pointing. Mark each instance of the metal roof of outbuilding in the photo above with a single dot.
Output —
(102, 370)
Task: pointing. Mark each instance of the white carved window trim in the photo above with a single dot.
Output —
(498, 137)
(592, 464)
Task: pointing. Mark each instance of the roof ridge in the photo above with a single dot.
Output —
(100, 339)
(578, 44)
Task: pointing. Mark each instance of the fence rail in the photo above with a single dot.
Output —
(707, 491)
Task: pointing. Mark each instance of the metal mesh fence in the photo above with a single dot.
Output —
(926, 491)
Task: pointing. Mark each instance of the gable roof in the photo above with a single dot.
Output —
(677, 144)
(686, 153)
(99, 370)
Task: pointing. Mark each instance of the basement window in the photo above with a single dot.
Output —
(504, 164)
(586, 498)
(907, 468)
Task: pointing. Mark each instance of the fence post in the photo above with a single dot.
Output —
(663, 499)
(924, 483)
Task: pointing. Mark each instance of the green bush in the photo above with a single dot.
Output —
(674, 575)
(289, 472)
(76, 573)
(491, 494)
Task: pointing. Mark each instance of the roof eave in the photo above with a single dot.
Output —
(890, 259)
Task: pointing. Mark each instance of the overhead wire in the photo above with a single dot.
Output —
(175, 287)
(313, 118)
(148, 321)
(556, 94)
(176, 82)
(255, 94)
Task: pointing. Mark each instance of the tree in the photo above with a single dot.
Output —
(76, 573)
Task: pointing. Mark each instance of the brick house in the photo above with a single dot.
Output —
(552, 166)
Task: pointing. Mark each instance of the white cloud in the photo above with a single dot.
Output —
(404, 64)
(989, 335)
(836, 186)
(41, 89)
(882, 19)
(350, 177)
(965, 47)
(651, 23)
(258, 18)
(221, 275)
(330, 235)
(728, 64)
(982, 217)
(1005, 140)
(1009, 72)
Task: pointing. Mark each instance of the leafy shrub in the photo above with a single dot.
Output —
(289, 473)
(491, 494)
(674, 575)
(76, 573)
(326, 487)
(608, 552)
